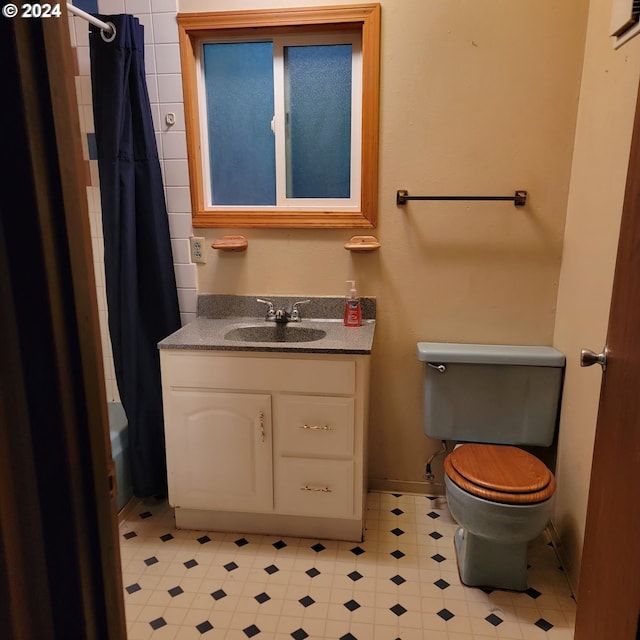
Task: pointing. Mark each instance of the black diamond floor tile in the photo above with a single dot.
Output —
(313, 572)
(398, 609)
(251, 631)
(318, 547)
(306, 601)
(441, 584)
(280, 544)
(166, 537)
(190, 563)
(271, 569)
(241, 542)
(352, 605)
(397, 554)
(445, 614)
(204, 539)
(357, 551)
(262, 598)
(175, 591)
(543, 624)
(132, 588)
(231, 566)
(218, 595)
(494, 619)
(205, 626)
(398, 580)
(355, 576)
(299, 634)
(158, 623)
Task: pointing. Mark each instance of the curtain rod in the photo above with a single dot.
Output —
(107, 28)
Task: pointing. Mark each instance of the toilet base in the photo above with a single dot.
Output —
(485, 563)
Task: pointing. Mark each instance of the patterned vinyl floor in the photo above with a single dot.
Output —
(400, 583)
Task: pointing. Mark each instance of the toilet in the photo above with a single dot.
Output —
(491, 400)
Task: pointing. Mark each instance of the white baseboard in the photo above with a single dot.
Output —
(406, 486)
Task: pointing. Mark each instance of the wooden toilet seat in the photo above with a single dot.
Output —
(500, 473)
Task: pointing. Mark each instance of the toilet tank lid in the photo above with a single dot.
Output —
(450, 352)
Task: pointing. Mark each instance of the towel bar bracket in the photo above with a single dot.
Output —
(519, 198)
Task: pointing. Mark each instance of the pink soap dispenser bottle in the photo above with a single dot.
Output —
(352, 308)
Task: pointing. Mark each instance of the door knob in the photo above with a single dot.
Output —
(588, 358)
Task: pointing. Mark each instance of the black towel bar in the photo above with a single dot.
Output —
(519, 199)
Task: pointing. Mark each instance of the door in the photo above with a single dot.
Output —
(219, 450)
(609, 589)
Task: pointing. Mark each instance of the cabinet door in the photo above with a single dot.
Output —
(219, 450)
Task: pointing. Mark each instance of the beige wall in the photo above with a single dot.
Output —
(605, 118)
(476, 98)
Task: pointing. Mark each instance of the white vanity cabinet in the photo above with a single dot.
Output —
(266, 442)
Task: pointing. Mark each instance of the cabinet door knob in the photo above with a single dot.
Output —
(262, 434)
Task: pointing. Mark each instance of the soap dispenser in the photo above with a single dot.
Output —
(352, 308)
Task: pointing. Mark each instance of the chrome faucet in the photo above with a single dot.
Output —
(282, 316)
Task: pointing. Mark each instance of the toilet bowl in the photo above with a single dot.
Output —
(501, 497)
(494, 399)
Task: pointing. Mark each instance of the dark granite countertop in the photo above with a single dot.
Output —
(220, 314)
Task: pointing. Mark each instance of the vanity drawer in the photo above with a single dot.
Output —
(314, 425)
(313, 487)
(202, 369)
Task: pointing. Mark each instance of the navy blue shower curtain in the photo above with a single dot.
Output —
(140, 282)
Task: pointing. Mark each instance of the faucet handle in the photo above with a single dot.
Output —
(271, 312)
(295, 312)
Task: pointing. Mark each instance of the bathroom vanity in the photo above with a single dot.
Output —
(269, 435)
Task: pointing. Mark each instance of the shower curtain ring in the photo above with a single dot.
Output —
(108, 36)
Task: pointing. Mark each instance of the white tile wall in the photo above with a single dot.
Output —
(165, 28)
(170, 88)
(164, 82)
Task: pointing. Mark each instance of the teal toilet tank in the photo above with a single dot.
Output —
(502, 394)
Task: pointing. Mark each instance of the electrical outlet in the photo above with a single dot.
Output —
(197, 249)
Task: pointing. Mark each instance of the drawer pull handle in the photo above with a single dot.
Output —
(316, 489)
(262, 435)
(316, 427)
